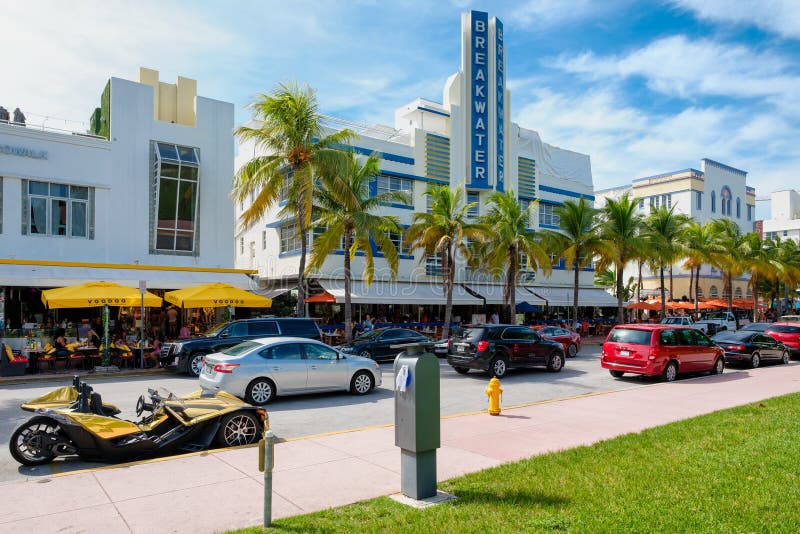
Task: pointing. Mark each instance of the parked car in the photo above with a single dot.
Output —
(571, 341)
(187, 355)
(497, 348)
(719, 321)
(259, 369)
(788, 334)
(756, 327)
(789, 318)
(377, 344)
(747, 346)
(441, 348)
(657, 349)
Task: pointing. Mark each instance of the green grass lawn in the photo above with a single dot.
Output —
(732, 471)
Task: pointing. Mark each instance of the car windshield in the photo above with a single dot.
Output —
(672, 320)
(715, 316)
(469, 334)
(633, 336)
(241, 348)
(367, 336)
(759, 327)
(733, 336)
(216, 330)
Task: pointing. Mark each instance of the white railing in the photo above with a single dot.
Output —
(47, 123)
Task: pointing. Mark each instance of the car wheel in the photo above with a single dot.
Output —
(572, 350)
(260, 391)
(671, 372)
(755, 360)
(236, 429)
(461, 370)
(556, 362)
(499, 367)
(719, 367)
(362, 383)
(616, 374)
(24, 443)
(785, 357)
(196, 363)
(365, 354)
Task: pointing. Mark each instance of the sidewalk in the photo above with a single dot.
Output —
(215, 491)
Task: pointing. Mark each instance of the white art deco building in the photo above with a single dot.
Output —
(467, 138)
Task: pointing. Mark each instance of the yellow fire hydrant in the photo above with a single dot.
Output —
(494, 391)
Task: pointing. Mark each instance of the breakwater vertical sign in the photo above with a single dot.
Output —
(500, 95)
(479, 82)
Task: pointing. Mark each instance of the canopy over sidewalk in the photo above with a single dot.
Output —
(216, 295)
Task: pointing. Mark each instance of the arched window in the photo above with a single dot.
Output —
(738, 293)
(725, 200)
(713, 202)
(749, 294)
(713, 292)
(738, 208)
(699, 292)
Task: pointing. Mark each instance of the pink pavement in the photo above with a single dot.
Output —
(215, 491)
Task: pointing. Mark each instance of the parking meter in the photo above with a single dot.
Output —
(416, 415)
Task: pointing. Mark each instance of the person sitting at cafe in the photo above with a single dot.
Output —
(60, 343)
(95, 334)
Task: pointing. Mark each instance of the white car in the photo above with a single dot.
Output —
(257, 370)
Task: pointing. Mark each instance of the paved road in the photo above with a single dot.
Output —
(301, 416)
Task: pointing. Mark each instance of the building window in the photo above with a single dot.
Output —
(241, 246)
(749, 293)
(713, 292)
(666, 201)
(699, 292)
(433, 265)
(699, 200)
(473, 197)
(738, 208)
(263, 240)
(749, 212)
(388, 184)
(176, 181)
(283, 196)
(57, 210)
(641, 203)
(725, 200)
(428, 203)
(771, 235)
(525, 274)
(397, 240)
(786, 233)
(713, 202)
(657, 201)
(737, 293)
(546, 215)
(290, 238)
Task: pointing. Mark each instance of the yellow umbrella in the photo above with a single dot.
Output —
(216, 295)
(93, 294)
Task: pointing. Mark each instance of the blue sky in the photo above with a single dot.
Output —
(642, 87)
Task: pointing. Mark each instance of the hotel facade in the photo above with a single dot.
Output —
(468, 139)
(714, 191)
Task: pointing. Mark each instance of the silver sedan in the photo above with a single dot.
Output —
(259, 369)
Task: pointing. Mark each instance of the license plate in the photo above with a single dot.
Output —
(624, 353)
(461, 348)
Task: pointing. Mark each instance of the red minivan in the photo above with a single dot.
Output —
(660, 349)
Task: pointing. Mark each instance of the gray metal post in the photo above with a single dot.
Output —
(417, 419)
(269, 463)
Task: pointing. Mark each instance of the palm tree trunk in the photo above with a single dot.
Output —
(348, 305)
(691, 281)
(755, 297)
(510, 296)
(663, 293)
(620, 309)
(730, 292)
(671, 292)
(697, 291)
(448, 275)
(301, 282)
(575, 289)
(639, 290)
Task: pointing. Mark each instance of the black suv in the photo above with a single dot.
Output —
(499, 347)
(187, 355)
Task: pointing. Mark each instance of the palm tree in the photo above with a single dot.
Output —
(662, 230)
(290, 132)
(760, 258)
(619, 229)
(788, 274)
(698, 247)
(726, 254)
(577, 240)
(346, 212)
(509, 224)
(443, 231)
(608, 278)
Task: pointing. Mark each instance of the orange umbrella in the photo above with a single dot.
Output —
(684, 305)
(643, 306)
(321, 297)
(747, 304)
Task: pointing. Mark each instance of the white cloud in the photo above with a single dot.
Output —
(776, 16)
(680, 67)
(541, 13)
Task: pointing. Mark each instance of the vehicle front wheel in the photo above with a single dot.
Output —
(461, 370)
(671, 372)
(755, 360)
(616, 374)
(556, 362)
(196, 363)
(572, 350)
(26, 442)
(719, 367)
(362, 383)
(260, 391)
(499, 367)
(240, 428)
(785, 357)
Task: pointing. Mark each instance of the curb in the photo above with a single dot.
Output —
(49, 377)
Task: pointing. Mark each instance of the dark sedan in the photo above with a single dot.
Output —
(756, 327)
(751, 348)
(376, 344)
